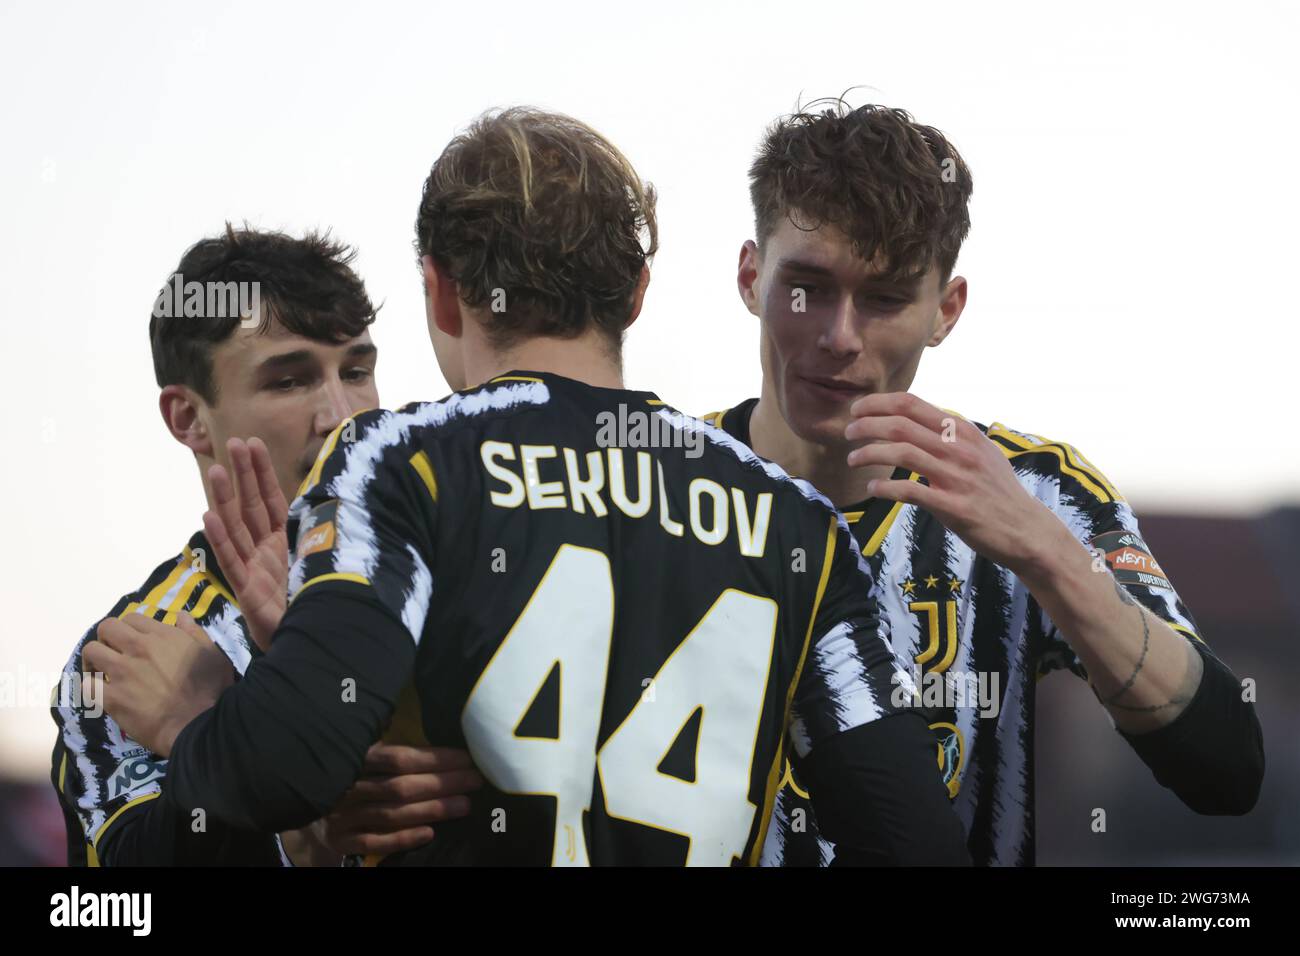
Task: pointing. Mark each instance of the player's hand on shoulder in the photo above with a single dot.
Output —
(402, 792)
(970, 485)
(247, 528)
(156, 677)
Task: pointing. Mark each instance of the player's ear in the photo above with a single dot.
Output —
(952, 299)
(638, 297)
(441, 298)
(180, 412)
(747, 275)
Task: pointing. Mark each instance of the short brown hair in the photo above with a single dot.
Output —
(306, 284)
(898, 190)
(542, 209)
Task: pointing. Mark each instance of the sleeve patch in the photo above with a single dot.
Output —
(320, 534)
(137, 770)
(1130, 560)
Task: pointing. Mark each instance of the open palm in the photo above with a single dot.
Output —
(247, 530)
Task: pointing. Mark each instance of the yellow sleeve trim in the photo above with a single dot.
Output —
(99, 835)
(63, 770)
(333, 576)
(1181, 630)
(774, 775)
(424, 468)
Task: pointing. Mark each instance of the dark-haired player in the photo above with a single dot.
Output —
(255, 333)
(979, 536)
(628, 634)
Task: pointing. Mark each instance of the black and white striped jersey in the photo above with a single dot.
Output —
(976, 640)
(103, 776)
(625, 615)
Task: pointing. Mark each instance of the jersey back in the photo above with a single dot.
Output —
(626, 616)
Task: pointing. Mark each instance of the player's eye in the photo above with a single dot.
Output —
(284, 384)
(359, 374)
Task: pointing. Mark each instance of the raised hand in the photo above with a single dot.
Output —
(247, 530)
(971, 487)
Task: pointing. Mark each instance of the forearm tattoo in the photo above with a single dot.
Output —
(1176, 701)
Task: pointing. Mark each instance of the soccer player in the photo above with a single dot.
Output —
(301, 363)
(625, 630)
(987, 542)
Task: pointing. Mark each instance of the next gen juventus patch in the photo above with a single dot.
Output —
(320, 537)
(1130, 560)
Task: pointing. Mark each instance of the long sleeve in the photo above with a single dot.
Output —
(879, 799)
(1212, 755)
(282, 746)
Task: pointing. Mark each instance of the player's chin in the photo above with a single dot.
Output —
(820, 428)
(820, 415)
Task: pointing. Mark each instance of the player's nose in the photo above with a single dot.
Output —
(333, 408)
(841, 336)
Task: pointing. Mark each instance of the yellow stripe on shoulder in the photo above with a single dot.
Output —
(156, 594)
(210, 591)
(515, 378)
(424, 468)
(1077, 459)
(204, 603)
(714, 418)
(1072, 463)
(182, 597)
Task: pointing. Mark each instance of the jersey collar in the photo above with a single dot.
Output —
(549, 378)
(870, 518)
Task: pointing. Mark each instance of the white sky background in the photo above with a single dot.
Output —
(1134, 225)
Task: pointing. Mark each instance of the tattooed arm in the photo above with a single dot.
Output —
(1178, 706)
(1143, 671)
